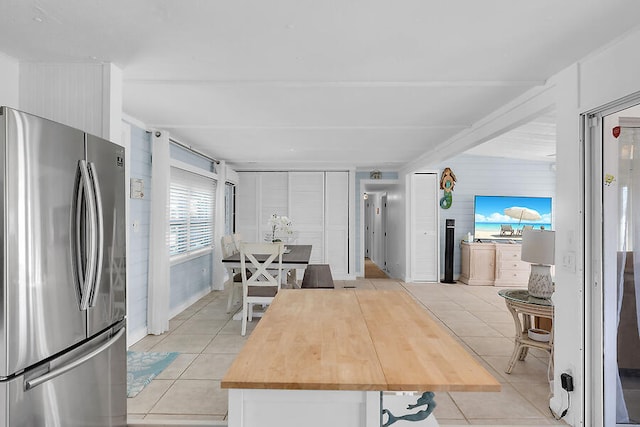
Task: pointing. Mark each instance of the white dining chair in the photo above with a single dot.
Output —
(237, 240)
(235, 278)
(263, 284)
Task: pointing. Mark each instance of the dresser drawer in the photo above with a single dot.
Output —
(514, 264)
(508, 255)
(516, 276)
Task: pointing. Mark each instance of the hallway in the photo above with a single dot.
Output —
(372, 271)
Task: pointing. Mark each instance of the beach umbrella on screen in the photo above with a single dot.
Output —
(521, 213)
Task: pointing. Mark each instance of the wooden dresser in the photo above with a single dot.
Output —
(493, 264)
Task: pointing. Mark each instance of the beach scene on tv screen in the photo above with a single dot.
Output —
(506, 217)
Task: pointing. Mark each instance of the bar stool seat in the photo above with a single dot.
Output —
(317, 276)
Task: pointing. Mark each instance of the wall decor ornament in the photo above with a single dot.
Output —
(447, 182)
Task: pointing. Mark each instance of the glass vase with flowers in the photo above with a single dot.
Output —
(281, 228)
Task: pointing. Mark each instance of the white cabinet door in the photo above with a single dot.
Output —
(274, 195)
(247, 206)
(316, 202)
(306, 206)
(337, 223)
(424, 221)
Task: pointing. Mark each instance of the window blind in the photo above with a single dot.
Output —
(192, 212)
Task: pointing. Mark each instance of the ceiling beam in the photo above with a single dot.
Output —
(366, 84)
(284, 127)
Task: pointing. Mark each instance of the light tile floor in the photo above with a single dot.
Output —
(208, 340)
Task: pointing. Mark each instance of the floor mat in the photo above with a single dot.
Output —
(142, 367)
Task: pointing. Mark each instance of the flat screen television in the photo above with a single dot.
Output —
(505, 217)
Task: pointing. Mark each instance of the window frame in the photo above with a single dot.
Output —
(192, 254)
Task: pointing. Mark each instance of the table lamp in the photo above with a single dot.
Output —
(538, 248)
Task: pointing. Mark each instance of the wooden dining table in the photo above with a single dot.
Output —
(325, 357)
(294, 257)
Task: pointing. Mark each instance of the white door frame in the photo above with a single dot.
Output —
(598, 336)
(600, 387)
(383, 231)
(367, 226)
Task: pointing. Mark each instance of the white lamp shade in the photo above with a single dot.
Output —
(538, 246)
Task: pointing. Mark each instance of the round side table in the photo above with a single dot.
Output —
(523, 307)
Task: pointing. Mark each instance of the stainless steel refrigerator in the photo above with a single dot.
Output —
(62, 299)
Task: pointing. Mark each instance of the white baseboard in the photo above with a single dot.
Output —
(188, 302)
(135, 336)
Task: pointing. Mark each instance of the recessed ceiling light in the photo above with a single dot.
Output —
(38, 19)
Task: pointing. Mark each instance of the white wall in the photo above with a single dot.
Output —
(569, 296)
(139, 161)
(9, 78)
(489, 176)
(86, 96)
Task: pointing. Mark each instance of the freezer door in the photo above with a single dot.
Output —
(106, 161)
(39, 304)
(93, 393)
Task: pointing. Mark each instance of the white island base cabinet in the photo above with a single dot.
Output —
(317, 408)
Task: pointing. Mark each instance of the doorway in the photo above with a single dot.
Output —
(615, 145)
(375, 235)
(370, 193)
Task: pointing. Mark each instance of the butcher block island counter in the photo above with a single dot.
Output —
(323, 357)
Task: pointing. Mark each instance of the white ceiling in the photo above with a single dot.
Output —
(372, 84)
(535, 140)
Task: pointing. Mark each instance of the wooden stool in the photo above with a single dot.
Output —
(317, 276)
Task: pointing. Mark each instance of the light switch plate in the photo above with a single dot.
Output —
(137, 188)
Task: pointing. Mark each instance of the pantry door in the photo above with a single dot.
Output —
(424, 225)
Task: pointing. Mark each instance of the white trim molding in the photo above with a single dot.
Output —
(159, 265)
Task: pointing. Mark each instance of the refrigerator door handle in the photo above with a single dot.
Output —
(100, 233)
(90, 268)
(76, 234)
(29, 384)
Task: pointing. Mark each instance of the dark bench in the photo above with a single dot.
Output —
(317, 276)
